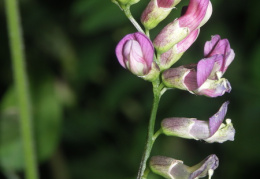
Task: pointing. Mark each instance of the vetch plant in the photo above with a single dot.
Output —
(152, 60)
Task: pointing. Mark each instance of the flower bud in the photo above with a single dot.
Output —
(135, 52)
(156, 11)
(125, 2)
(204, 78)
(175, 169)
(197, 13)
(210, 131)
(170, 57)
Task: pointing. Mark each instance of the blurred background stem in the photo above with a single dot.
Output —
(21, 85)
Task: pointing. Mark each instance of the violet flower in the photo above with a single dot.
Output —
(135, 52)
(175, 169)
(210, 131)
(204, 78)
(196, 15)
(156, 11)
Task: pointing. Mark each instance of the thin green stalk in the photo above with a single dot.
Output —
(150, 141)
(147, 32)
(159, 132)
(128, 14)
(21, 84)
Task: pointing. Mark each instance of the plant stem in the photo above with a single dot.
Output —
(131, 18)
(150, 141)
(147, 32)
(21, 84)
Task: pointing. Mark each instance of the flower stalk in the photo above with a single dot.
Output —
(21, 85)
(128, 14)
(150, 137)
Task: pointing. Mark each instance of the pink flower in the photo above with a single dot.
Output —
(210, 131)
(204, 78)
(135, 52)
(196, 15)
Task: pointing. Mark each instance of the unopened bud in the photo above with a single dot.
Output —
(135, 52)
(125, 2)
(156, 11)
(197, 13)
(170, 57)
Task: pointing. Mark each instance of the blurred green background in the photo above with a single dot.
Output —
(91, 115)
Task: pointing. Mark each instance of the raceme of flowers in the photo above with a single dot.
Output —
(153, 60)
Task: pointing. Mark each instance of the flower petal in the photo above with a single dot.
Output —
(183, 45)
(214, 88)
(203, 168)
(146, 46)
(210, 45)
(190, 80)
(216, 120)
(229, 58)
(224, 133)
(200, 130)
(204, 69)
(194, 14)
(119, 49)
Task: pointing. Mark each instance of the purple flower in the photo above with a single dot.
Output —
(204, 78)
(175, 169)
(210, 131)
(196, 15)
(135, 52)
(156, 11)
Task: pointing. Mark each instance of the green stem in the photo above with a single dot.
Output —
(150, 141)
(159, 132)
(147, 32)
(131, 18)
(21, 84)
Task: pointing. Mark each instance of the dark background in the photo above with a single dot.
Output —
(91, 115)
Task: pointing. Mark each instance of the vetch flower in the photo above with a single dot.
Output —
(204, 78)
(156, 11)
(175, 169)
(196, 15)
(210, 131)
(135, 52)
